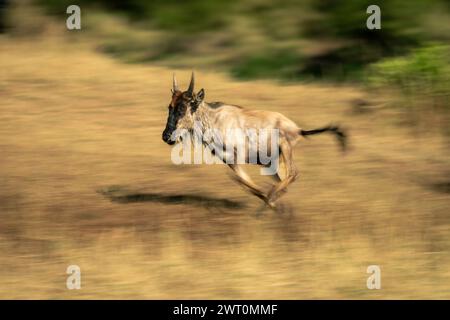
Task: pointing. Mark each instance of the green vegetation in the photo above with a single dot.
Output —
(424, 71)
(423, 79)
(268, 64)
(180, 16)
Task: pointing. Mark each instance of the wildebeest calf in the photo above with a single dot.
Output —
(188, 111)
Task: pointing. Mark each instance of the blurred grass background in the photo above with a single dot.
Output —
(86, 179)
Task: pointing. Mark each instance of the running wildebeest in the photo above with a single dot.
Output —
(188, 111)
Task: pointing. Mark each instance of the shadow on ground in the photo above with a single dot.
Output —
(120, 196)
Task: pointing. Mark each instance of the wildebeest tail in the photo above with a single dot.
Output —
(338, 132)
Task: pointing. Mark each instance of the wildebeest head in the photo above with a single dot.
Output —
(181, 109)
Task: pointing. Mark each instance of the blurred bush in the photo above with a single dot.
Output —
(287, 39)
(425, 71)
(423, 79)
(268, 64)
(3, 5)
(180, 16)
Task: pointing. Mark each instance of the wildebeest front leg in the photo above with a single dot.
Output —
(289, 176)
(243, 178)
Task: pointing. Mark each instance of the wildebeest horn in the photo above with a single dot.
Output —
(175, 85)
(191, 85)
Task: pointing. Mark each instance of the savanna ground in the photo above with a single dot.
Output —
(87, 180)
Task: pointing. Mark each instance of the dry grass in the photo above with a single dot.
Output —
(87, 180)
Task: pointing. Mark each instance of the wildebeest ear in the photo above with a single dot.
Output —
(201, 95)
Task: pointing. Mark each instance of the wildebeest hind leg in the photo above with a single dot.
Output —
(243, 178)
(285, 178)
